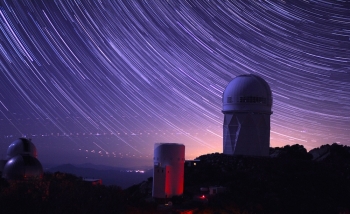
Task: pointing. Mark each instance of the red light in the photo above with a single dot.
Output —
(203, 196)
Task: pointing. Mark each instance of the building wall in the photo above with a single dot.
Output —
(159, 180)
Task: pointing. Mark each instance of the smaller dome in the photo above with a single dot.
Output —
(22, 166)
(247, 93)
(22, 146)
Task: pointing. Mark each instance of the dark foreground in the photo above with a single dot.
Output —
(291, 182)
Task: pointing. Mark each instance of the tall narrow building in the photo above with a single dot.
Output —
(247, 103)
(168, 171)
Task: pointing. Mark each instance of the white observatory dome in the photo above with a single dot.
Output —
(22, 146)
(247, 93)
(22, 166)
(167, 153)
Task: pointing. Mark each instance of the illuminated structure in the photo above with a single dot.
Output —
(21, 161)
(247, 102)
(168, 172)
(21, 146)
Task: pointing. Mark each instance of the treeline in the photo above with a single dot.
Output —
(290, 182)
(60, 193)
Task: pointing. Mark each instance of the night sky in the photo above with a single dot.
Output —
(106, 80)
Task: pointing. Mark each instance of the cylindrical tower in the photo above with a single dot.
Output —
(247, 103)
(168, 172)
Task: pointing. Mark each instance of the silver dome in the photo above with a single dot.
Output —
(247, 93)
(21, 167)
(22, 146)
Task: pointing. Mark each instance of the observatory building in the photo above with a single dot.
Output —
(168, 171)
(247, 102)
(21, 161)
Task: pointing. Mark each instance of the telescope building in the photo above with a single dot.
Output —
(247, 103)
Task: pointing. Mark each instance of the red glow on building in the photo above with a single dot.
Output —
(168, 174)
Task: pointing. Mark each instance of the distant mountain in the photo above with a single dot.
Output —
(121, 177)
(99, 167)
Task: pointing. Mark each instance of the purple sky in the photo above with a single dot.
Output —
(105, 80)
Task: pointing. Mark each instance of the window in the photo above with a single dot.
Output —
(251, 99)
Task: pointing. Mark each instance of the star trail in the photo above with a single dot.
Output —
(140, 72)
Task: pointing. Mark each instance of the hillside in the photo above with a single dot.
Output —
(292, 180)
(121, 177)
